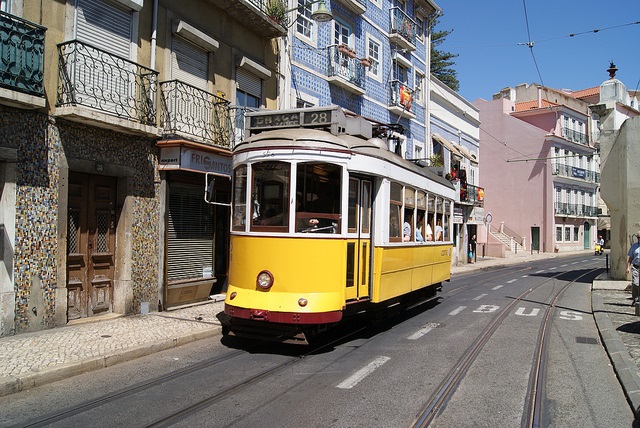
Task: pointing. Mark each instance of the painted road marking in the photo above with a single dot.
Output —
(497, 287)
(512, 281)
(424, 330)
(570, 315)
(525, 276)
(575, 263)
(533, 312)
(480, 297)
(354, 379)
(564, 265)
(487, 309)
(457, 310)
(540, 271)
(553, 268)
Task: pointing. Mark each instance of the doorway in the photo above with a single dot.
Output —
(91, 227)
(535, 238)
(359, 243)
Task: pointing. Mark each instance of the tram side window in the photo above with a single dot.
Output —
(438, 231)
(446, 220)
(408, 231)
(423, 230)
(270, 196)
(318, 196)
(431, 216)
(395, 213)
(239, 198)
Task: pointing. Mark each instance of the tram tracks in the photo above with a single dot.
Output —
(174, 417)
(535, 391)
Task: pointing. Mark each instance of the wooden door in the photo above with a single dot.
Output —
(90, 245)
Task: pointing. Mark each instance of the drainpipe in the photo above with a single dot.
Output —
(154, 31)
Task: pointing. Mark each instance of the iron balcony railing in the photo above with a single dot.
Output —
(402, 24)
(563, 170)
(401, 95)
(472, 194)
(575, 136)
(21, 55)
(192, 111)
(91, 77)
(577, 210)
(343, 65)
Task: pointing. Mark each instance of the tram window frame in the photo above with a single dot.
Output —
(263, 199)
(318, 197)
(421, 209)
(446, 219)
(408, 212)
(395, 212)
(239, 218)
(431, 214)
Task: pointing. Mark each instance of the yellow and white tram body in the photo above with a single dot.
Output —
(317, 225)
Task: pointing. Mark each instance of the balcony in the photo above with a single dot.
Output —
(263, 17)
(575, 210)
(356, 6)
(563, 170)
(187, 110)
(402, 29)
(472, 195)
(21, 62)
(575, 136)
(400, 99)
(345, 70)
(105, 90)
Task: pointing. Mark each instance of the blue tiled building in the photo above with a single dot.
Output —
(372, 59)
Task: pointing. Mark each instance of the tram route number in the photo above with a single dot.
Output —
(279, 120)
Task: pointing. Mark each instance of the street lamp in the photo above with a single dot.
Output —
(321, 14)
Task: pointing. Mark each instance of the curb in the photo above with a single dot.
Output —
(625, 368)
(25, 381)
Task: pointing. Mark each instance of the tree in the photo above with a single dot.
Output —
(441, 61)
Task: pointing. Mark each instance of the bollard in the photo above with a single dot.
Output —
(606, 263)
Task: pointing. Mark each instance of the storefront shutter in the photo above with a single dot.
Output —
(190, 233)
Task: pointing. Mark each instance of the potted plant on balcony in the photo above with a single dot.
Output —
(344, 49)
(276, 11)
(366, 62)
(352, 53)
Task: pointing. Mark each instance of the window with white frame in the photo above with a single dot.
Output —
(418, 150)
(377, 3)
(400, 73)
(576, 233)
(567, 233)
(418, 90)
(304, 24)
(559, 233)
(374, 52)
(342, 34)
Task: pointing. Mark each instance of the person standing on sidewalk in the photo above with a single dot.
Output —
(633, 264)
(472, 248)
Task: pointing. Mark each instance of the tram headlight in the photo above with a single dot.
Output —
(264, 280)
(302, 302)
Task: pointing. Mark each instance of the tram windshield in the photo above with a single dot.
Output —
(318, 197)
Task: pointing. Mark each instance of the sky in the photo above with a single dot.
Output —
(491, 36)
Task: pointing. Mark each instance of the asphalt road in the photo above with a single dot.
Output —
(376, 377)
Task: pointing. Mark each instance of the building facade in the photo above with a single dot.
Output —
(455, 138)
(112, 113)
(543, 172)
(372, 59)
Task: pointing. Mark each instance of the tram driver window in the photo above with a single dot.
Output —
(318, 196)
(395, 213)
(270, 196)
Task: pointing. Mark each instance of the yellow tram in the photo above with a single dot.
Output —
(327, 223)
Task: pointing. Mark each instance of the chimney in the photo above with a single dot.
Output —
(539, 96)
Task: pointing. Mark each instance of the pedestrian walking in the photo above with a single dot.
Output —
(472, 248)
(633, 265)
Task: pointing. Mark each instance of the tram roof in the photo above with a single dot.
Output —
(315, 139)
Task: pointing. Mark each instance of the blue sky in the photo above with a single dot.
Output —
(488, 35)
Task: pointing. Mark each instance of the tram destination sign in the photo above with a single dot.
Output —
(262, 121)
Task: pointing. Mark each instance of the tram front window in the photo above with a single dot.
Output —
(270, 196)
(318, 197)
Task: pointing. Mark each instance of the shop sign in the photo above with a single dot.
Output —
(194, 160)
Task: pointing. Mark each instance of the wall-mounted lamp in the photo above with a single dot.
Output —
(321, 14)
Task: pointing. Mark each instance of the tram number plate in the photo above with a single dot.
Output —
(322, 117)
(275, 120)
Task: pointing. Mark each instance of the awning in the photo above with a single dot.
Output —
(448, 144)
(466, 153)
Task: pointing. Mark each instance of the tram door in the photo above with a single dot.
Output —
(359, 241)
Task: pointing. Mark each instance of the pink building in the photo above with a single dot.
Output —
(540, 169)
